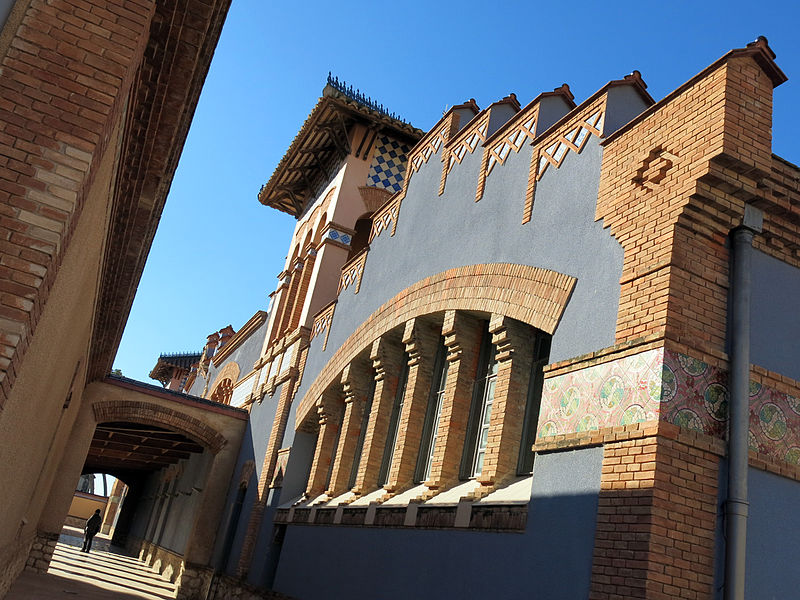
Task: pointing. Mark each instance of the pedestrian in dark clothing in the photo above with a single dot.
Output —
(92, 527)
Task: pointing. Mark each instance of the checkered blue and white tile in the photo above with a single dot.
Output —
(388, 166)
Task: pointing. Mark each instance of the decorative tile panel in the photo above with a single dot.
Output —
(388, 166)
(616, 393)
(339, 236)
(669, 386)
(574, 139)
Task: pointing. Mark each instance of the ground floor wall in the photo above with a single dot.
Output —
(553, 554)
(773, 535)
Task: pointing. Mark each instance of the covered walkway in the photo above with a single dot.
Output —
(103, 574)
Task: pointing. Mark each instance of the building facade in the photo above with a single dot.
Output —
(511, 364)
(536, 350)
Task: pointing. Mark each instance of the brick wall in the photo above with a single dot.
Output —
(64, 81)
(662, 195)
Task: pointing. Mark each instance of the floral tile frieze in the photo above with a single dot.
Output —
(669, 386)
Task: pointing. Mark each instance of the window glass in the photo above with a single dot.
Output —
(432, 414)
(394, 425)
(485, 412)
(541, 355)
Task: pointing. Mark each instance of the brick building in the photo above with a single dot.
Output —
(500, 360)
(502, 354)
(96, 98)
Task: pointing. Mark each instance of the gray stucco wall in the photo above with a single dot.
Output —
(254, 447)
(773, 535)
(435, 233)
(144, 507)
(177, 528)
(775, 325)
(624, 103)
(553, 557)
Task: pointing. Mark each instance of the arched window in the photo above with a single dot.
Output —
(361, 236)
(223, 392)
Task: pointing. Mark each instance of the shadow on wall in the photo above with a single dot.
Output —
(552, 557)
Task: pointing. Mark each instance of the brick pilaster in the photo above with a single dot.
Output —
(421, 340)
(305, 280)
(462, 337)
(656, 520)
(514, 341)
(356, 379)
(329, 411)
(387, 357)
(267, 472)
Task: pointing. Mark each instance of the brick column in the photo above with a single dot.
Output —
(294, 286)
(514, 341)
(656, 519)
(462, 337)
(387, 358)
(420, 339)
(329, 410)
(267, 473)
(356, 379)
(300, 296)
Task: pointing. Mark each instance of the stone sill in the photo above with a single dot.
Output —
(466, 515)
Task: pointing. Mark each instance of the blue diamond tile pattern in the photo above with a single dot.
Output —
(388, 166)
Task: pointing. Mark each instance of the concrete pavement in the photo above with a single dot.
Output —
(100, 575)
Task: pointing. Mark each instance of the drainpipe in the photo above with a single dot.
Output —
(736, 506)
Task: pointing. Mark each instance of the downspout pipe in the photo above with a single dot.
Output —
(736, 505)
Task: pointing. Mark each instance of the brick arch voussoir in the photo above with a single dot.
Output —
(230, 371)
(529, 294)
(147, 413)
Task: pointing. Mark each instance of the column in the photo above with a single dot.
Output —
(420, 339)
(462, 337)
(329, 411)
(356, 379)
(386, 354)
(514, 341)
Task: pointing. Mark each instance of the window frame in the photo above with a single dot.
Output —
(393, 431)
(433, 413)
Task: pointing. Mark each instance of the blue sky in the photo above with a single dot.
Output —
(217, 251)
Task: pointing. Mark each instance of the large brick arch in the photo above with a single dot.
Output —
(149, 413)
(529, 294)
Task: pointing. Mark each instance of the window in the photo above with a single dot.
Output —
(432, 414)
(394, 425)
(541, 354)
(481, 411)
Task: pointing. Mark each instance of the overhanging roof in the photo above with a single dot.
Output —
(323, 142)
(166, 362)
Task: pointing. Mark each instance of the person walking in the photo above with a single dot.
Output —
(93, 524)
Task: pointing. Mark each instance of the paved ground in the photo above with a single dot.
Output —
(103, 574)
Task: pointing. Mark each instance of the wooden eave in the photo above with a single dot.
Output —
(320, 145)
